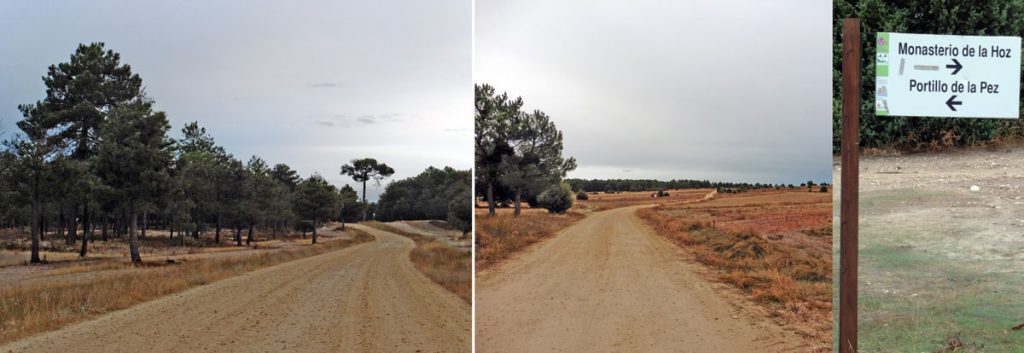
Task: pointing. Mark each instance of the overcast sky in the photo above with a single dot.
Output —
(312, 84)
(721, 90)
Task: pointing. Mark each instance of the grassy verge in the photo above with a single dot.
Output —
(926, 304)
(791, 277)
(920, 291)
(48, 305)
(500, 236)
(446, 266)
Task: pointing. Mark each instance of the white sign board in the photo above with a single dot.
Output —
(947, 76)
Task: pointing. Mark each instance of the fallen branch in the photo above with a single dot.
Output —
(1018, 327)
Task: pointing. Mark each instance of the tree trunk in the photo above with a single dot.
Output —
(106, 220)
(86, 221)
(273, 235)
(238, 234)
(195, 216)
(85, 241)
(145, 222)
(490, 198)
(216, 237)
(364, 202)
(133, 241)
(73, 227)
(181, 238)
(60, 223)
(36, 231)
(518, 207)
(314, 230)
(248, 239)
(42, 218)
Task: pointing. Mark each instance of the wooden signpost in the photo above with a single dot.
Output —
(916, 75)
(850, 149)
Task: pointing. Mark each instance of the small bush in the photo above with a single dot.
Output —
(582, 195)
(824, 188)
(556, 199)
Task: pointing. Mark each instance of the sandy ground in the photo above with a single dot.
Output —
(938, 259)
(992, 213)
(608, 284)
(366, 298)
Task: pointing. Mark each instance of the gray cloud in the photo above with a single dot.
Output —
(651, 89)
(325, 85)
(379, 118)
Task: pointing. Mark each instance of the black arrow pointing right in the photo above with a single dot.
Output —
(951, 102)
(955, 66)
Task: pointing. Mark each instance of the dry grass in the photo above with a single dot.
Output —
(447, 266)
(46, 305)
(500, 236)
(776, 247)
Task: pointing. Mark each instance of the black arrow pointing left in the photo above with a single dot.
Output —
(952, 101)
(955, 66)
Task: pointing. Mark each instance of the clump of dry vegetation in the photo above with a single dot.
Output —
(38, 306)
(445, 265)
(778, 252)
(501, 235)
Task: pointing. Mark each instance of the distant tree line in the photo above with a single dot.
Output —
(94, 156)
(975, 17)
(621, 185)
(518, 154)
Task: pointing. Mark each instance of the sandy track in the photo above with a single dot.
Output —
(366, 298)
(607, 284)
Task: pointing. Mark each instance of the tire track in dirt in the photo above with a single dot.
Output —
(608, 284)
(366, 298)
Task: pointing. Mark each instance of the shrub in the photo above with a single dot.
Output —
(824, 188)
(582, 195)
(460, 212)
(662, 193)
(556, 199)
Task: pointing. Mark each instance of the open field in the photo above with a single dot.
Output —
(600, 201)
(941, 265)
(44, 297)
(366, 297)
(773, 245)
(441, 254)
(501, 236)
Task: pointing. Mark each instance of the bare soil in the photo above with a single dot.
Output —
(941, 251)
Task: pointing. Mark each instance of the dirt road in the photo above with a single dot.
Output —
(366, 298)
(607, 284)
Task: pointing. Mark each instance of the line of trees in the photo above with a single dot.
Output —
(620, 185)
(518, 154)
(441, 194)
(94, 156)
